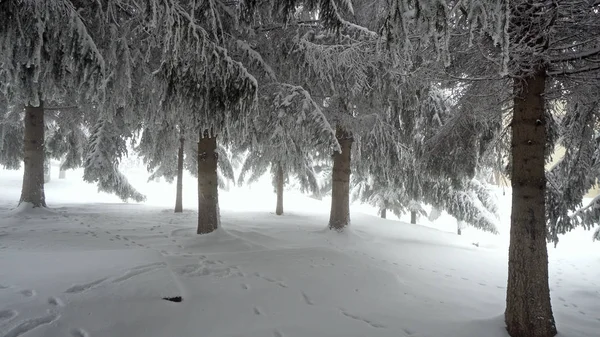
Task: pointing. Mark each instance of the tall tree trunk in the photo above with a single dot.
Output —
(383, 212)
(339, 218)
(413, 217)
(62, 174)
(459, 227)
(33, 157)
(208, 192)
(179, 195)
(47, 170)
(279, 208)
(528, 309)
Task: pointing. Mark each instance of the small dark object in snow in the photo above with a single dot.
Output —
(176, 299)
(476, 244)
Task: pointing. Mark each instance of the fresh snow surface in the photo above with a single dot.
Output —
(92, 266)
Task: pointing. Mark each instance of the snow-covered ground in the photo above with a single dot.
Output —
(94, 266)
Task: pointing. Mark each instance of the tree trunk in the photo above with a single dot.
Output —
(47, 170)
(208, 192)
(383, 212)
(459, 227)
(413, 217)
(339, 218)
(33, 157)
(528, 309)
(62, 174)
(279, 209)
(179, 193)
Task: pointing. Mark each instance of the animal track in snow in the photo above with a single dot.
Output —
(30, 324)
(79, 333)
(138, 271)
(257, 311)
(307, 299)
(368, 321)
(78, 288)
(210, 268)
(245, 286)
(277, 333)
(268, 279)
(55, 301)
(27, 292)
(7, 314)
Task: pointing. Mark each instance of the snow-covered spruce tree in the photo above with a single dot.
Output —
(66, 139)
(532, 43)
(579, 169)
(344, 69)
(11, 137)
(47, 53)
(196, 75)
(106, 147)
(287, 131)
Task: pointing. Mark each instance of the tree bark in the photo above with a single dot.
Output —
(413, 217)
(179, 193)
(383, 212)
(33, 157)
(279, 208)
(339, 217)
(528, 309)
(208, 192)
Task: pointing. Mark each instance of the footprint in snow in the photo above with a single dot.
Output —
(277, 333)
(307, 299)
(257, 311)
(245, 286)
(55, 301)
(79, 333)
(27, 292)
(7, 314)
(408, 332)
(30, 324)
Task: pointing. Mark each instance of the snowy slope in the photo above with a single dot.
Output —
(93, 266)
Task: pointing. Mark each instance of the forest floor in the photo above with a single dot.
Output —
(93, 266)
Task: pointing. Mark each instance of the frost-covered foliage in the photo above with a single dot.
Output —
(470, 202)
(66, 137)
(579, 169)
(158, 148)
(106, 147)
(47, 52)
(288, 131)
(484, 46)
(11, 137)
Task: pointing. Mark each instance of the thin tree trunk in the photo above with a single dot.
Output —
(179, 195)
(413, 217)
(528, 309)
(339, 218)
(459, 226)
(33, 157)
(208, 192)
(62, 174)
(279, 209)
(47, 170)
(383, 212)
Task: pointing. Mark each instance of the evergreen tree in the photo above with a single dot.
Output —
(287, 132)
(48, 54)
(533, 44)
(105, 149)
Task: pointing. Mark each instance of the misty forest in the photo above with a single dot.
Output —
(295, 168)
